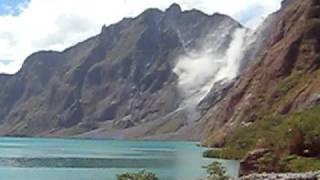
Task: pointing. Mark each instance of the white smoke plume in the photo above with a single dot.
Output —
(199, 71)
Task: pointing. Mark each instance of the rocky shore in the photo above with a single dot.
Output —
(283, 176)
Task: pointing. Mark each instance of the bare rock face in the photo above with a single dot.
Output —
(124, 123)
(125, 71)
(249, 164)
(216, 94)
(282, 79)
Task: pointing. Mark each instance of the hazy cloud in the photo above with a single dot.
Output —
(57, 24)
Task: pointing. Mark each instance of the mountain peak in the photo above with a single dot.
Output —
(174, 8)
(138, 52)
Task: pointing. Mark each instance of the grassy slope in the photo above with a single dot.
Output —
(293, 139)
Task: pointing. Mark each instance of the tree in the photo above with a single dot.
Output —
(217, 172)
(142, 175)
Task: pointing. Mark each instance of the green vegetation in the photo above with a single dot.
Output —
(142, 175)
(287, 84)
(224, 153)
(217, 172)
(294, 140)
(302, 164)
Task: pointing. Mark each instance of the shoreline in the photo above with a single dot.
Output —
(283, 176)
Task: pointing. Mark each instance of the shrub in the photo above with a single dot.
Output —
(295, 134)
(224, 153)
(142, 175)
(217, 172)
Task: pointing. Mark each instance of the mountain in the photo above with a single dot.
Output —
(183, 75)
(120, 83)
(270, 114)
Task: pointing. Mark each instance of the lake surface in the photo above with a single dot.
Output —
(72, 159)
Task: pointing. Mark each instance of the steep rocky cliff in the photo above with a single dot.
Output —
(120, 79)
(183, 75)
(273, 107)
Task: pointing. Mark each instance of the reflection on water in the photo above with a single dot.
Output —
(59, 159)
(88, 163)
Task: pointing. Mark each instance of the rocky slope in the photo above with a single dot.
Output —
(274, 105)
(284, 176)
(128, 82)
(118, 84)
(278, 82)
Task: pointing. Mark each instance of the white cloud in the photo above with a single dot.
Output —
(57, 24)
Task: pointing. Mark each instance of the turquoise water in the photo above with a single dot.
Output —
(71, 159)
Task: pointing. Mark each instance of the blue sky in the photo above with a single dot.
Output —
(11, 7)
(27, 26)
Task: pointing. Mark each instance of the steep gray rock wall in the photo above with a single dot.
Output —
(119, 79)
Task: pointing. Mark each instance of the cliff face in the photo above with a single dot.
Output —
(284, 77)
(119, 79)
(273, 105)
